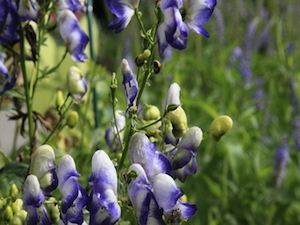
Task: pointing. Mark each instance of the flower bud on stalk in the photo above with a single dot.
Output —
(13, 190)
(8, 214)
(72, 119)
(219, 127)
(179, 121)
(150, 112)
(76, 84)
(141, 59)
(59, 99)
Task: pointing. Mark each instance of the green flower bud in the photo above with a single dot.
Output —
(157, 66)
(53, 211)
(13, 190)
(2, 203)
(150, 112)
(179, 121)
(59, 99)
(219, 127)
(17, 205)
(16, 220)
(22, 214)
(72, 119)
(8, 214)
(141, 59)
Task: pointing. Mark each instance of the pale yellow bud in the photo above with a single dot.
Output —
(17, 205)
(59, 99)
(220, 126)
(8, 214)
(179, 121)
(141, 59)
(76, 84)
(14, 191)
(150, 112)
(72, 119)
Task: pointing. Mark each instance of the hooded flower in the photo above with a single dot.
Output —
(76, 84)
(179, 16)
(167, 195)
(103, 203)
(28, 10)
(33, 202)
(129, 83)
(6, 81)
(9, 22)
(43, 167)
(123, 10)
(72, 34)
(112, 137)
(185, 162)
(142, 151)
(74, 198)
(142, 198)
(72, 5)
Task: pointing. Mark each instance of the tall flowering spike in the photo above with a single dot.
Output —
(6, 81)
(281, 160)
(28, 10)
(129, 84)
(123, 10)
(103, 203)
(112, 137)
(76, 84)
(33, 202)
(43, 167)
(167, 195)
(142, 198)
(9, 22)
(74, 198)
(143, 151)
(72, 34)
(184, 162)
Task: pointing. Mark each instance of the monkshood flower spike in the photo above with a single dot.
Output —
(74, 197)
(28, 10)
(123, 10)
(103, 203)
(129, 84)
(142, 198)
(43, 167)
(6, 81)
(72, 34)
(167, 195)
(33, 202)
(142, 151)
(9, 22)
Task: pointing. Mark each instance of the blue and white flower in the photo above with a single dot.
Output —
(9, 22)
(129, 84)
(74, 197)
(184, 161)
(43, 167)
(179, 15)
(123, 10)
(142, 198)
(33, 202)
(28, 10)
(72, 5)
(142, 151)
(6, 81)
(72, 34)
(103, 203)
(167, 195)
(76, 83)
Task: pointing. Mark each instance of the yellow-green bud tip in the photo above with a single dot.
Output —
(14, 190)
(59, 99)
(219, 127)
(72, 119)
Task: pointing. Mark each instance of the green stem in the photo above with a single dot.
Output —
(62, 116)
(26, 88)
(128, 134)
(90, 30)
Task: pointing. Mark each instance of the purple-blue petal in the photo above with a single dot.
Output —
(69, 191)
(181, 158)
(182, 173)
